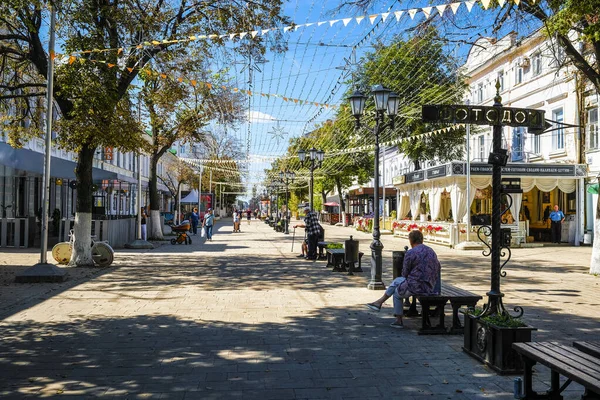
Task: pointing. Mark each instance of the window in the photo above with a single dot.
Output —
(518, 75)
(558, 136)
(536, 64)
(480, 93)
(592, 128)
(537, 148)
(518, 140)
(500, 78)
(481, 147)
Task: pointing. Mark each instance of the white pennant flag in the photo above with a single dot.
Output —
(321, 23)
(333, 21)
(231, 36)
(485, 3)
(517, 2)
(309, 24)
(398, 15)
(254, 33)
(286, 28)
(426, 11)
(265, 31)
(243, 34)
(441, 9)
(298, 27)
(412, 13)
(470, 4)
(359, 20)
(454, 7)
(346, 21)
(501, 2)
(222, 36)
(384, 16)
(373, 17)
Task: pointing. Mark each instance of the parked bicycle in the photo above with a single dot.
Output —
(102, 253)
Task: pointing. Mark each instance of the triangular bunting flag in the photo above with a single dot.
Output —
(192, 38)
(321, 23)
(180, 79)
(231, 36)
(249, 93)
(333, 21)
(398, 15)
(235, 89)
(426, 11)
(155, 42)
(412, 13)
(193, 82)
(120, 50)
(454, 7)
(130, 69)
(243, 34)
(209, 85)
(517, 2)
(296, 101)
(372, 18)
(286, 28)
(265, 31)
(359, 20)
(164, 76)
(254, 33)
(441, 9)
(222, 36)
(501, 3)
(384, 16)
(346, 21)
(110, 65)
(470, 4)
(285, 99)
(213, 36)
(485, 3)
(72, 59)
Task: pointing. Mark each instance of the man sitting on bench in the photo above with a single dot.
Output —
(419, 277)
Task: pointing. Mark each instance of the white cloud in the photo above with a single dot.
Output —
(259, 117)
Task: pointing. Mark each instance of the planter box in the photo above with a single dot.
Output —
(492, 345)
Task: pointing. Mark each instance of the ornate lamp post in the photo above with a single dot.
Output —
(287, 177)
(385, 100)
(315, 160)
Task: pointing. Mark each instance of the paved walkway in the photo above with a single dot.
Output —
(242, 317)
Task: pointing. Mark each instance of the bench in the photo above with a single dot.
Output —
(591, 348)
(569, 362)
(336, 259)
(322, 246)
(456, 296)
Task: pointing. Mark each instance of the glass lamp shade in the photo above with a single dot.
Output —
(392, 105)
(313, 153)
(381, 96)
(357, 103)
(301, 155)
(320, 155)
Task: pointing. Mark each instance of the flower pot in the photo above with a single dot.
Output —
(492, 344)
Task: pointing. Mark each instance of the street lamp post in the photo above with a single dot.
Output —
(385, 100)
(315, 159)
(286, 178)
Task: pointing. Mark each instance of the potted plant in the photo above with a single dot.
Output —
(489, 339)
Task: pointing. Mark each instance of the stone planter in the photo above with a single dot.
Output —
(492, 344)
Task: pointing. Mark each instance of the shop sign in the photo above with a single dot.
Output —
(480, 115)
(526, 170)
(416, 176)
(398, 180)
(436, 172)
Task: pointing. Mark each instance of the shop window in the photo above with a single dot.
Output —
(592, 128)
(558, 136)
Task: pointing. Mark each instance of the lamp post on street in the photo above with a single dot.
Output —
(287, 177)
(385, 100)
(315, 160)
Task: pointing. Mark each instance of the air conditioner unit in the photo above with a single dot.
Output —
(523, 62)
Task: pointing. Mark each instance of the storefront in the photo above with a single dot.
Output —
(435, 199)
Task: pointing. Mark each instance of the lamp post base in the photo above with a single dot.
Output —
(376, 282)
(373, 285)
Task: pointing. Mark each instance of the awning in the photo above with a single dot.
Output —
(192, 197)
(331, 204)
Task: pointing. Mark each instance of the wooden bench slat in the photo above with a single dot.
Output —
(546, 355)
(592, 348)
(573, 355)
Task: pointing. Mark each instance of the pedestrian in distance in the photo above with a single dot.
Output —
(313, 230)
(236, 221)
(209, 220)
(194, 219)
(557, 218)
(248, 215)
(420, 276)
(144, 217)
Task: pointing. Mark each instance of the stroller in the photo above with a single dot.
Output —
(182, 233)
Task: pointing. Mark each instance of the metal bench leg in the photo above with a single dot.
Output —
(359, 263)
(555, 390)
(412, 310)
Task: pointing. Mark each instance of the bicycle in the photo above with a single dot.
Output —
(102, 254)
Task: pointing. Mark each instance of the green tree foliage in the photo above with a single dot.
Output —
(421, 71)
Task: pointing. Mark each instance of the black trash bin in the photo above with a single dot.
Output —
(398, 262)
(351, 255)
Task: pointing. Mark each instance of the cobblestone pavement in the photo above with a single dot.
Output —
(242, 317)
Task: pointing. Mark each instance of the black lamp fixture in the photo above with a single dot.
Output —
(286, 177)
(315, 160)
(386, 102)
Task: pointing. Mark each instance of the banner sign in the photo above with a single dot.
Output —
(416, 176)
(436, 172)
(526, 170)
(480, 115)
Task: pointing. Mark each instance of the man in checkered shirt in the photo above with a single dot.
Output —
(313, 230)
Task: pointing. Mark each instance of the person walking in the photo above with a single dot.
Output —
(236, 221)
(194, 219)
(420, 275)
(144, 216)
(209, 220)
(313, 230)
(557, 217)
(248, 215)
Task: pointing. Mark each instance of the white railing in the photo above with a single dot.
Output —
(117, 232)
(17, 232)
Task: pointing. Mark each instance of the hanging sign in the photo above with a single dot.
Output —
(480, 115)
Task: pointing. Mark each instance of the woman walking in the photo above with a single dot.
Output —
(209, 219)
(194, 218)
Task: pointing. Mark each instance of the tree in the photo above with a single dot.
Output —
(179, 112)
(93, 95)
(174, 176)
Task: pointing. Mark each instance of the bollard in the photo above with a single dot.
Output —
(518, 388)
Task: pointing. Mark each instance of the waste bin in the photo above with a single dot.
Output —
(398, 261)
(351, 254)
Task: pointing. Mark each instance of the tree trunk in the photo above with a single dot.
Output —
(595, 262)
(82, 245)
(324, 198)
(156, 232)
